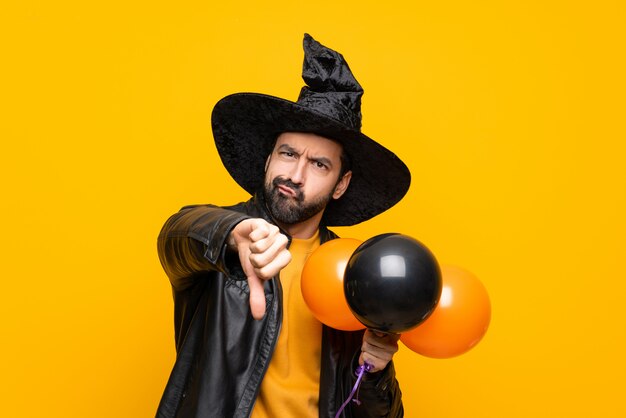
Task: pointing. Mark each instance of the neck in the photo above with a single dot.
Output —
(303, 230)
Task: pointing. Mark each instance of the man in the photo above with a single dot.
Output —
(246, 344)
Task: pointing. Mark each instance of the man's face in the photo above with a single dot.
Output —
(302, 175)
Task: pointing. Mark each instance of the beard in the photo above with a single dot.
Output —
(291, 210)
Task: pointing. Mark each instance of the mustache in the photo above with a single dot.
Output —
(279, 181)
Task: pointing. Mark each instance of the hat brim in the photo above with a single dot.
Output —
(246, 125)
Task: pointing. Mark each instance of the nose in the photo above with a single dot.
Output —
(298, 172)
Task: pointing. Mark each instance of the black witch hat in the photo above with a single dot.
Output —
(246, 125)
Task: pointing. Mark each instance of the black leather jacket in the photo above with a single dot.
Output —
(222, 352)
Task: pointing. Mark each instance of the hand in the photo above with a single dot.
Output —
(378, 349)
(263, 253)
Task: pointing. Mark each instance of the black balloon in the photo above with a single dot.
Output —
(392, 283)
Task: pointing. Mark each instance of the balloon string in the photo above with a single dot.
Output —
(360, 371)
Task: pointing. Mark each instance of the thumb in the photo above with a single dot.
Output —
(255, 285)
(257, 296)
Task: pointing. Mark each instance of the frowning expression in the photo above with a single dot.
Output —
(302, 176)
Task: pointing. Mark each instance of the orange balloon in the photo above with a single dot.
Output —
(459, 321)
(322, 284)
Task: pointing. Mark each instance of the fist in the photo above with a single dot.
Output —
(263, 254)
(378, 349)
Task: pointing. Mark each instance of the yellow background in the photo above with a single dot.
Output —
(510, 116)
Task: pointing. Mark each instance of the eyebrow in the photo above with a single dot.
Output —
(324, 160)
(287, 147)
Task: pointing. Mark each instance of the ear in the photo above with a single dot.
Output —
(342, 185)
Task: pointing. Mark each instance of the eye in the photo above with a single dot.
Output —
(287, 154)
(320, 165)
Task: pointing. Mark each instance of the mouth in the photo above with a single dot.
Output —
(287, 191)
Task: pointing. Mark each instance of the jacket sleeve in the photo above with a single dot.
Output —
(194, 240)
(380, 396)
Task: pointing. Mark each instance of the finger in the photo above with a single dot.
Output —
(383, 348)
(383, 353)
(375, 363)
(257, 297)
(272, 268)
(244, 228)
(260, 230)
(378, 360)
(261, 259)
(261, 242)
(381, 339)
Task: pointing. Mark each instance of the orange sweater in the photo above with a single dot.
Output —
(290, 387)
